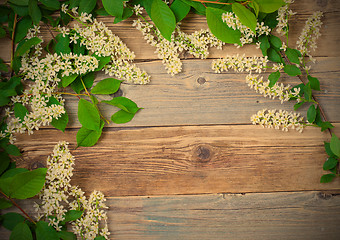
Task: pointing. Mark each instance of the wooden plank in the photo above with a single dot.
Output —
(285, 215)
(190, 159)
(200, 96)
(305, 8)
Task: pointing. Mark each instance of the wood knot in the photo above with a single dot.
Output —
(325, 196)
(201, 80)
(36, 165)
(202, 153)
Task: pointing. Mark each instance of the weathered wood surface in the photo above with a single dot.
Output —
(133, 38)
(190, 159)
(285, 215)
(200, 96)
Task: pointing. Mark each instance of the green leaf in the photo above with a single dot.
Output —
(88, 80)
(163, 18)
(20, 10)
(20, 111)
(88, 115)
(114, 8)
(268, 6)
(12, 150)
(87, 137)
(265, 45)
(21, 232)
(3, 67)
(61, 122)
(255, 6)
(67, 235)
(314, 83)
(11, 219)
(21, 29)
(199, 7)
(4, 161)
(308, 92)
(51, 4)
(77, 49)
(311, 114)
(124, 104)
(326, 125)
(12, 172)
(122, 117)
(71, 215)
(34, 11)
(102, 12)
(26, 46)
(16, 64)
(2, 32)
(219, 28)
(44, 231)
(4, 204)
(19, 2)
(335, 145)
(273, 55)
(74, 3)
(330, 163)
(273, 77)
(102, 61)
(246, 17)
(100, 238)
(275, 41)
(292, 70)
(27, 184)
(328, 149)
(180, 9)
(106, 86)
(67, 80)
(327, 178)
(292, 55)
(63, 44)
(127, 12)
(87, 5)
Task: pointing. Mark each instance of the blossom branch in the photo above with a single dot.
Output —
(13, 45)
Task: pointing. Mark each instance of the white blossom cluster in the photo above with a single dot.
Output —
(99, 39)
(239, 63)
(279, 120)
(247, 34)
(197, 43)
(280, 91)
(58, 196)
(309, 35)
(284, 14)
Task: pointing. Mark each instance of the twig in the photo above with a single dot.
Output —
(313, 97)
(15, 204)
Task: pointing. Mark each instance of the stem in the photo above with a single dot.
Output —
(313, 97)
(13, 45)
(15, 204)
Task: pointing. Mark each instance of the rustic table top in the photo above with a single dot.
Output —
(190, 165)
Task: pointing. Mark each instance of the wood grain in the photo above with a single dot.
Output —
(190, 159)
(285, 215)
(200, 96)
(327, 44)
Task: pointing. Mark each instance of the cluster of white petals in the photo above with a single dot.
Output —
(247, 34)
(239, 63)
(197, 44)
(284, 14)
(280, 91)
(280, 119)
(58, 197)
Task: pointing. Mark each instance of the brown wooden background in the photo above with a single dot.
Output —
(191, 166)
